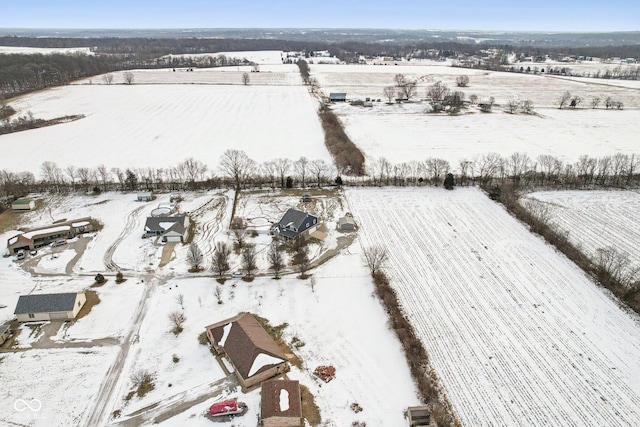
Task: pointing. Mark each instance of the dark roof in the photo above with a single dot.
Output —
(270, 399)
(45, 303)
(3, 329)
(292, 220)
(334, 95)
(245, 341)
(153, 223)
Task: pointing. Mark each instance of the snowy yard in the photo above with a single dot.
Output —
(518, 335)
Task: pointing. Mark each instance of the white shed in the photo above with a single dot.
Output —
(23, 204)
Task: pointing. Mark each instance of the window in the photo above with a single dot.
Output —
(32, 316)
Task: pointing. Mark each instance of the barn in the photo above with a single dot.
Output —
(43, 307)
(23, 204)
(249, 348)
(280, 404)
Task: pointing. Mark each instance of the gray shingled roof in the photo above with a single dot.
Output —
(45, 303)
(296, 219)
(153, 223)
(3, 329)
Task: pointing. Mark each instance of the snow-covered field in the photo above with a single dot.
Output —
(161, 125)
(596, 219)
(8, 50)
(402, 133)
(518, 335)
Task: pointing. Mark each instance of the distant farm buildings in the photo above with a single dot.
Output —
(337, 97)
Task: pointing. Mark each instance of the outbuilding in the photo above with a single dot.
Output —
(145, 196)
(280, 404)
(44, 307)
(346, 223)
(337, 97)
(23, 204)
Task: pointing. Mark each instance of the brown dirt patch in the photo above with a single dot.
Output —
(92, 300)
(310, 410)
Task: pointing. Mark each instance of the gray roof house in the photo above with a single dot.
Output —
(295, 224)
(35, 308)
(337, 97)
(171, 228)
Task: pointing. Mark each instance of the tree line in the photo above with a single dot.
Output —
(236, 169)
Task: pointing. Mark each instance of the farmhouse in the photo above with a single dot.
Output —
(294, 225)
(42, 236)
(280, 404)
(23, 204)
(419, 416)
(34, 308)
(5, 331)
(170, 228)
(337, 97)
(248, 347)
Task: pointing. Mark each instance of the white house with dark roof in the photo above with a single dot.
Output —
(169, 228)
(43, 307)
(294, 225)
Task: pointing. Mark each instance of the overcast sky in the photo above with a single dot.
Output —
(514, 15)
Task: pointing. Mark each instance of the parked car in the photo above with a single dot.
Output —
(3, 306)
(58, 243)
(20, 255)
(33, 252)
(237, 275)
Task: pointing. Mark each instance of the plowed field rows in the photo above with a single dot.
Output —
(518, 335)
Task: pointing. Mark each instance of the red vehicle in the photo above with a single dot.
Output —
(227, 407)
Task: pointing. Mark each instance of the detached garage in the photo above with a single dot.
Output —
(37, 308)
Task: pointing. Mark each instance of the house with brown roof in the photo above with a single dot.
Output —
(254, 355)
(280, 404)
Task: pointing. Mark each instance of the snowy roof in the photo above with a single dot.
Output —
(280, 398)
(247, 345)
(43, 231)
(45, 303)
(22, 201)
(165, 223)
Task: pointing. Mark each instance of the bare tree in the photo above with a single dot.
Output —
(245, 78)
(282, 166)
(249, 260)
(512, 106)
(301, 167)
(375, 257)
(220, 262)
(389, 93)
(437, 91)
(400, 80)
(177, 319)
(462, 81)
(84, 175)
(595, 101)
(128, 77)
(409, 89)
(564, 99)
(104, 175)
(71, 173)
(320, 169)
(437, 168)
(237, 166)
(194, 257)
(526, 106)
(194, 171)
(180, 300)
(276, 261)
(473, 99)
(143, 381)
(301, 260)
(240, 238)
(107, 78)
